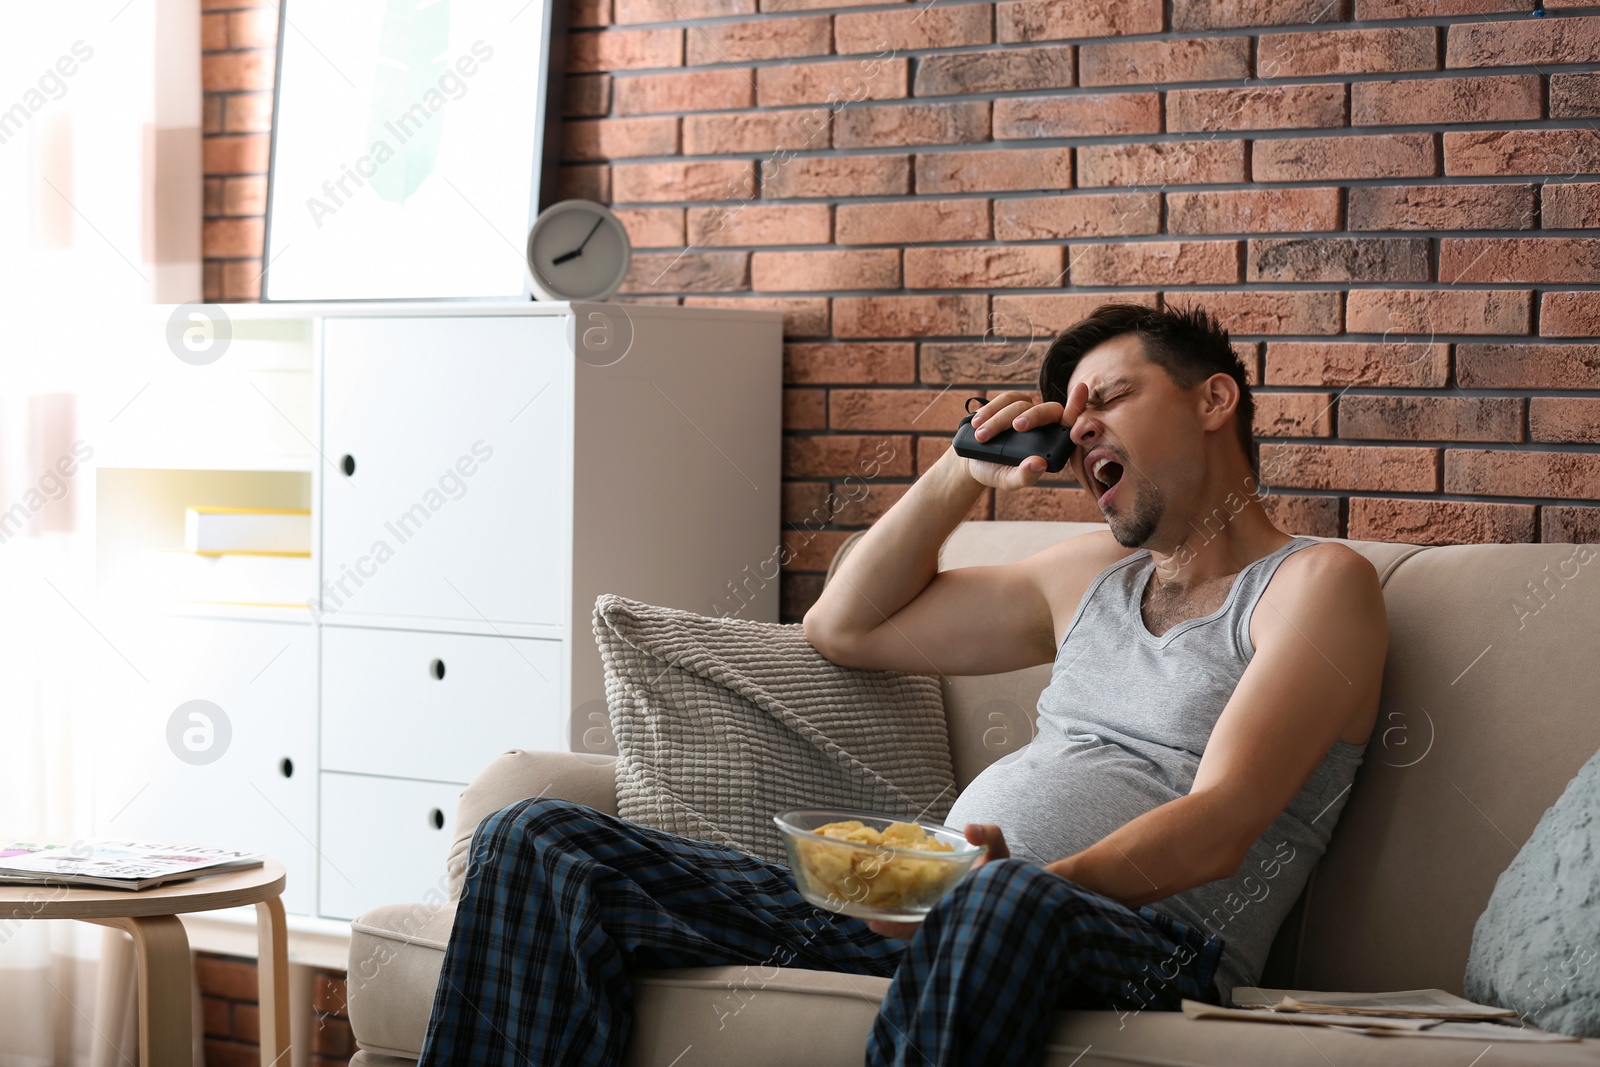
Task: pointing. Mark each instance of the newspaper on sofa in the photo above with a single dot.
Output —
(115, 864)
(1404, 1003)
(1402, 1013)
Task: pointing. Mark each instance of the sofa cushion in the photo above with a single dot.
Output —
(1534, 946)
(721, 723)
(742, 1015)
(788, 1017)
(739, 1016)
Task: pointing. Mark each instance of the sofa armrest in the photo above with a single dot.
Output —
(583, 777)
(397, 950)
(396, 954)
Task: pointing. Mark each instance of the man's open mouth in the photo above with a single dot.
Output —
(1105, 474)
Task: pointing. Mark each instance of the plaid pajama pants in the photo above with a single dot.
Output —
(561, 901)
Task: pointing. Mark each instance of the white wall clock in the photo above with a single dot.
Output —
(577, 250)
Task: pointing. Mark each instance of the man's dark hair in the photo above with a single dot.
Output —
(1186, 342)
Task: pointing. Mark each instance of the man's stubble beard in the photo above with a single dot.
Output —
(1133, 529)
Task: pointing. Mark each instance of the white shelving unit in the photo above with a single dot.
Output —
(478, 473)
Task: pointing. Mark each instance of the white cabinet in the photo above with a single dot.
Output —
(448, 500)
(478, 474)
(484, 478)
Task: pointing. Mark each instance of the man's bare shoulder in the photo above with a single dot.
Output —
(1328, 598)
(1064, 571)
(1329, 579)
(1314, 567)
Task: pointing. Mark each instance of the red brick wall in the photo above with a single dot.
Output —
(1388, 201)
(229, 1001)
(238, 41)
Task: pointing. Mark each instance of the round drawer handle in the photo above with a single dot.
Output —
(286, 767)
(348, 465)
(436, 668)
(436, 817)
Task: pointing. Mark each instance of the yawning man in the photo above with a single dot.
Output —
(1214, 684)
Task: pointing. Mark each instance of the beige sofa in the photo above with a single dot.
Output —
(1488, 709)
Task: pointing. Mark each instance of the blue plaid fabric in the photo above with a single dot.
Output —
(562, 901)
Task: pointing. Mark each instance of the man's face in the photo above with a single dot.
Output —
(1137, 418)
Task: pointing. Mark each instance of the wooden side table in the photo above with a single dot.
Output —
(162, 949)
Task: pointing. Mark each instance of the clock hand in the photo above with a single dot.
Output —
(576, 252)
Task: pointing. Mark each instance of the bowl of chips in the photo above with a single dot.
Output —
(873, 866)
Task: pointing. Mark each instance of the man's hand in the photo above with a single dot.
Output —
(977, 834)
(1016, 410)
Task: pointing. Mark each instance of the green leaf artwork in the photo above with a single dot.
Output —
(406, 102)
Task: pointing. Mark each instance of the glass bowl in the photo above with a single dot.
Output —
(872, 881)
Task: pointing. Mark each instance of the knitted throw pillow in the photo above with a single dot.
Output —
(722, 723)
(1535, 947)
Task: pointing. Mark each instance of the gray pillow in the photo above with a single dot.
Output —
(1536, 947)
(722, 723)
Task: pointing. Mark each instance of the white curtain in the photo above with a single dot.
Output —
(100, 207)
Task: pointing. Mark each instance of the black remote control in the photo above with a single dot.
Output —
(1011, 447)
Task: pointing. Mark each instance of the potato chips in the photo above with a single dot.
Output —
(878, 876)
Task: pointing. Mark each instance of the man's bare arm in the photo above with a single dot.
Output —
(889, 607)
(1318, 667)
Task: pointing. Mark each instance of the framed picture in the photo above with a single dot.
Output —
(413, 144)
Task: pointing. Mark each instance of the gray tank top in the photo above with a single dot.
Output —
(1121, 728)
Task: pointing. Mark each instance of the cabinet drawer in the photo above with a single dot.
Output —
(384, 841)
(431, 705)
(451, 445)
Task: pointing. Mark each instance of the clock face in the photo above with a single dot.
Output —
(577, 250)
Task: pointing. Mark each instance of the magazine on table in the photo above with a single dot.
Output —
(115, 864)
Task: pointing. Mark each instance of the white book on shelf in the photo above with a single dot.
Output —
(275, 531)
(228, 578)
